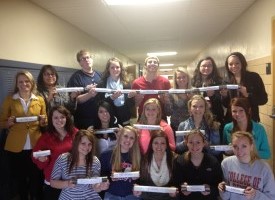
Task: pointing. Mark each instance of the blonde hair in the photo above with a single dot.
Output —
(208, 116)
(143, 118)
(81, 53)
(243, 134)
(175, 85)
(31, 79)
(134, 151)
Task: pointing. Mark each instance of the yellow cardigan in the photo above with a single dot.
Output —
(18, 132)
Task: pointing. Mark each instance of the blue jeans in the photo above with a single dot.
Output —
(109, 196)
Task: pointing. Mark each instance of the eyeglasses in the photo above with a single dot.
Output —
(86, 58)
(49, 74)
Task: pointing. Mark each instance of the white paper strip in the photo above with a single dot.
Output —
(210, 88)
(92, 180)
(103, 90)
(221, 147)
(232, 87)
(193, 188)
(126, 174)
(148, 127)
(37, 154)
(234, 189)
(184, 133)
(155, 189)
(148, 91)
(105, 131)
(70, 89)
(26, 119)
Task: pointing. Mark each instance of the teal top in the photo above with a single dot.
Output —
(259, 135)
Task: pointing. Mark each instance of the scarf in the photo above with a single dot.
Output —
(160, 176)
(115, 85)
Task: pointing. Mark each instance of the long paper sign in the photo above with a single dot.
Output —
(194, 188)
(92, 180)
(134, 174)
(234, 189)
(37, 154)
(171, 91)
(155, 189)
(148, 127)
(70, 89)
(26, 119)
(221, 147)
(106, 131)
(184, 133)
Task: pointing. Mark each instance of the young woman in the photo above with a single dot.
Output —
(207, 74)
(80, 163)
(47, 82)
(177, 105)
(195, 167)
(200, 118)
(58, 139)
(151, 115)
(251, 85)
(23, 136)
(245, 170)
(125, 157)
(241, 121)
(156, 167)
(115, 77)
(105, 119)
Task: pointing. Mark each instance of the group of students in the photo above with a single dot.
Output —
(162, 158)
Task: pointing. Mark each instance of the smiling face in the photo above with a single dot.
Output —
(127, 140)
(242, 148)
(206, 68)
(152, 65)
(103, 115)
(84, 147)
(49, 78)
(159, 145)
(59, 120)
(195, 143)
(151, 111)
(114, 70)
(234, 65)
(23, 84)
(238, 113)
(181, 79)
(197, 108)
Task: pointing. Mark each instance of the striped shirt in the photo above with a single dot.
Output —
(79, 192)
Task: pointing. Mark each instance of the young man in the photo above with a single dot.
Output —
(86, 103)
(151, 80)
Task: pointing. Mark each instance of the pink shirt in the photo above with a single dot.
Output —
(145, 136)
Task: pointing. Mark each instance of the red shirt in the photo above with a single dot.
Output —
(49, 141)
(160, 83)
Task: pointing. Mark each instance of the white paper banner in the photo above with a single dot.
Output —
(70, 89)
(222, 147)
(155, 189)
(126, 174)
(234, 189)
(184, 133)
(106, 131)
(37, 154)
(148, 127)
(92, 180)
(26, 119)
(193, 188)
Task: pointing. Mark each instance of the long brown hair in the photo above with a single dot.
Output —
(134, 151)
(146, 163)
(243, 103)
(74, 156)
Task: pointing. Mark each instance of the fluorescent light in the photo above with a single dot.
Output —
(170, 53)
(136, 2)
(166, 65)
